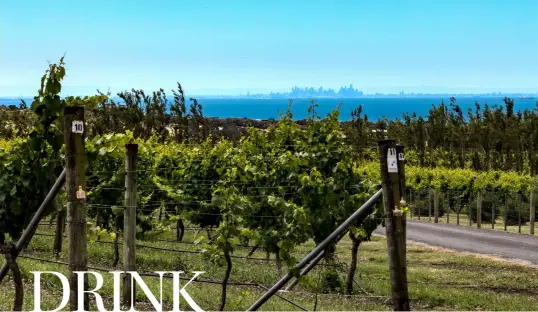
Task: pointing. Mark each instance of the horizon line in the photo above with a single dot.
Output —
(254, 91)
(250, 95)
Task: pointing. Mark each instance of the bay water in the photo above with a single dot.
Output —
(374, 107)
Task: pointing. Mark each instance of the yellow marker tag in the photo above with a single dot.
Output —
(80, 193)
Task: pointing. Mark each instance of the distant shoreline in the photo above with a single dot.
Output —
(375, 107)
(366, 96)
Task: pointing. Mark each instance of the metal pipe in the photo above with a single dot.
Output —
(32, 226)
(361, 212)
(311, 265)
(307, 269)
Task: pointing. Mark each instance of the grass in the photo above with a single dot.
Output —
(438, 279)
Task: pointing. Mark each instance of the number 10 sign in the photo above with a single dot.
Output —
(77, 126)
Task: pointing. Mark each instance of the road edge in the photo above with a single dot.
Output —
(520, 262)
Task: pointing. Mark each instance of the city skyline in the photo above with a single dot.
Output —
(348, 91)
(380, 46)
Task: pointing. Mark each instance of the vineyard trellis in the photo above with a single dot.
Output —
(245, 199)
(505, 210)
(320, 247)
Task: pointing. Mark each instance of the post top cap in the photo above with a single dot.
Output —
(383, 142)
(73, 110)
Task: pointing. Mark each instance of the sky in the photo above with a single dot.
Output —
(227, 47)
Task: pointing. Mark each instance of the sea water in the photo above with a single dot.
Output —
(374, 107)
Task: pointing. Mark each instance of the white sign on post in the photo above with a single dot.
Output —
(401, 156)
(77, 126)
(392, 162)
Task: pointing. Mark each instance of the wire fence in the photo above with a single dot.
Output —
(508, 211)
(449, 207)
(33, 255)
(230, 283)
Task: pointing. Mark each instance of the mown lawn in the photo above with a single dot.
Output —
(438, 279)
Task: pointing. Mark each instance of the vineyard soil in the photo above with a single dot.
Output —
(438, 280)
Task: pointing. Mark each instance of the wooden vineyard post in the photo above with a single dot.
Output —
(469, 212)
(518, 205)
(429, 205)
(419, 195)
(493, 216)
(77, 253)
(505, 211)
(458, 212)
(532, 212)
(394, 223)
(129, 224)
(479, 209)
(447, 207)
(401, 173)
(435, 206)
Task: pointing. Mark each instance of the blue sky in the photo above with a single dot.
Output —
(213, 46)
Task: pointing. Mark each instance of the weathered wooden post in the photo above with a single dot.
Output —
(469, 212)
(493, 216)
(532, 211)
(518, 205)
(419, 193)
(447, 207)
(436, 206)
(430, 205)
(458, 212)
(401, 173)
(479, 209)
(129, 224)
(394, 223)
(505, 211)
(76, 201)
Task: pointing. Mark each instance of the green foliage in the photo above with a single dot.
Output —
(278, 187)
(458, 180)
(483, 138)
(105, 174)
(31, 166)
(16, 122)
(96, 232)
(331, 281)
